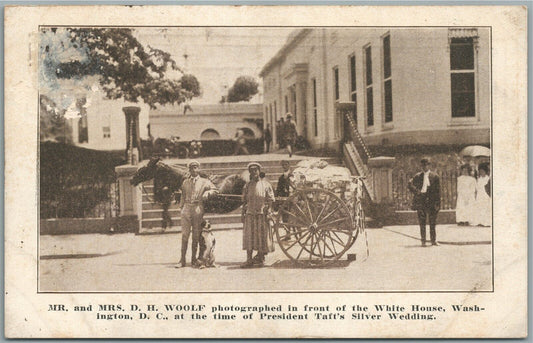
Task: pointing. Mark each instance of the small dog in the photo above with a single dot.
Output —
(207, 246)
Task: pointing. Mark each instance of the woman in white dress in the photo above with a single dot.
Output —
(482, 206)
(466, 196)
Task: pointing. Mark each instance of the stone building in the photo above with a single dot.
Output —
(206, 122)
(409, 85)
(103, 126)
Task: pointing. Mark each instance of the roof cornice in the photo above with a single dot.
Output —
(289, 45)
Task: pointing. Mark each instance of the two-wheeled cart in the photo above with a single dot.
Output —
(316, 226)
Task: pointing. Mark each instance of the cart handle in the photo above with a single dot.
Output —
(236, 196)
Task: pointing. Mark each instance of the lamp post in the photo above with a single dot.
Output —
(130, 214)
(133, 141)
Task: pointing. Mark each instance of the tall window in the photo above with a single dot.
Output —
(337, 121)
(271, 120)
(462, 67)
(315, 114)
(387, 79)
(353, 86)
(286, 104)
(270, 110)
(368, 87)
(275, 109)
(106, 131)
(336, 82)
(294, 107)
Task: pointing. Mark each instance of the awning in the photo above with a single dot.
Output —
(462, 33)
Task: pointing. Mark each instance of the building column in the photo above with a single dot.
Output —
(280, 109)
(381, 173)
(325, 90)
(301, 108)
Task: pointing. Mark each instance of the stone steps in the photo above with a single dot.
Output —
(361, 168)
(271, 177)
(242, 164)
(152, 212)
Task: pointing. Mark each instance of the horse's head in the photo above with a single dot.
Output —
(145, 173)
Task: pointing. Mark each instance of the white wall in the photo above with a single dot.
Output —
(103, 112)
(191, 126)
(421, 83)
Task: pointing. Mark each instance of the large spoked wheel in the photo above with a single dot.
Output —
(314, 227)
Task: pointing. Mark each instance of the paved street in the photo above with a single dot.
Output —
(145, 263)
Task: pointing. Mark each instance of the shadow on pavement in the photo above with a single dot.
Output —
(289, 264)
(230, 265)
(145, 264)
(73, 256)
(439, 241)
(285, 264)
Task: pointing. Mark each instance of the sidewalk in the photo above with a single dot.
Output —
(101, 244)
(271, 156)
(396, 262)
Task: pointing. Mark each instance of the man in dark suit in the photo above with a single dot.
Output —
(425, 187)
(285, 188)
(285, 182)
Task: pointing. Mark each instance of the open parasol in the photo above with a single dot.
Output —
(475, 151)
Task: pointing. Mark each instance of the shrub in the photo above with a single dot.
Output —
(218, 147)
(73, 180)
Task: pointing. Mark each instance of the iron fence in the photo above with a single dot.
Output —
(403, 198)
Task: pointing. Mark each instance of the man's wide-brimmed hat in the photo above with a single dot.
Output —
(289, 115)
(253, 164)
(425, 160)
(193, 163)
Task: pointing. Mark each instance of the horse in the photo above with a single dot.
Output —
(231, 184)
(169, 179)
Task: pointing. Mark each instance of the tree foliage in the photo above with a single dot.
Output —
(191, 86)
(244, 88)
(124, 67)
(53, 125)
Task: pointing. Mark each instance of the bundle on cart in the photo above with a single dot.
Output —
(317, 173)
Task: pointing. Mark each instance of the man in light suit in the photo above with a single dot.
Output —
(194, 191)
(425, 187)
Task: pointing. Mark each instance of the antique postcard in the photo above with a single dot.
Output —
(265, 172)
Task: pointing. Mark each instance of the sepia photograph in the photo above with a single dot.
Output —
(265, 159)
(265, 172)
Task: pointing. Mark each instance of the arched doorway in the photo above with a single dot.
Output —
(248, 133)
(209, 134)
